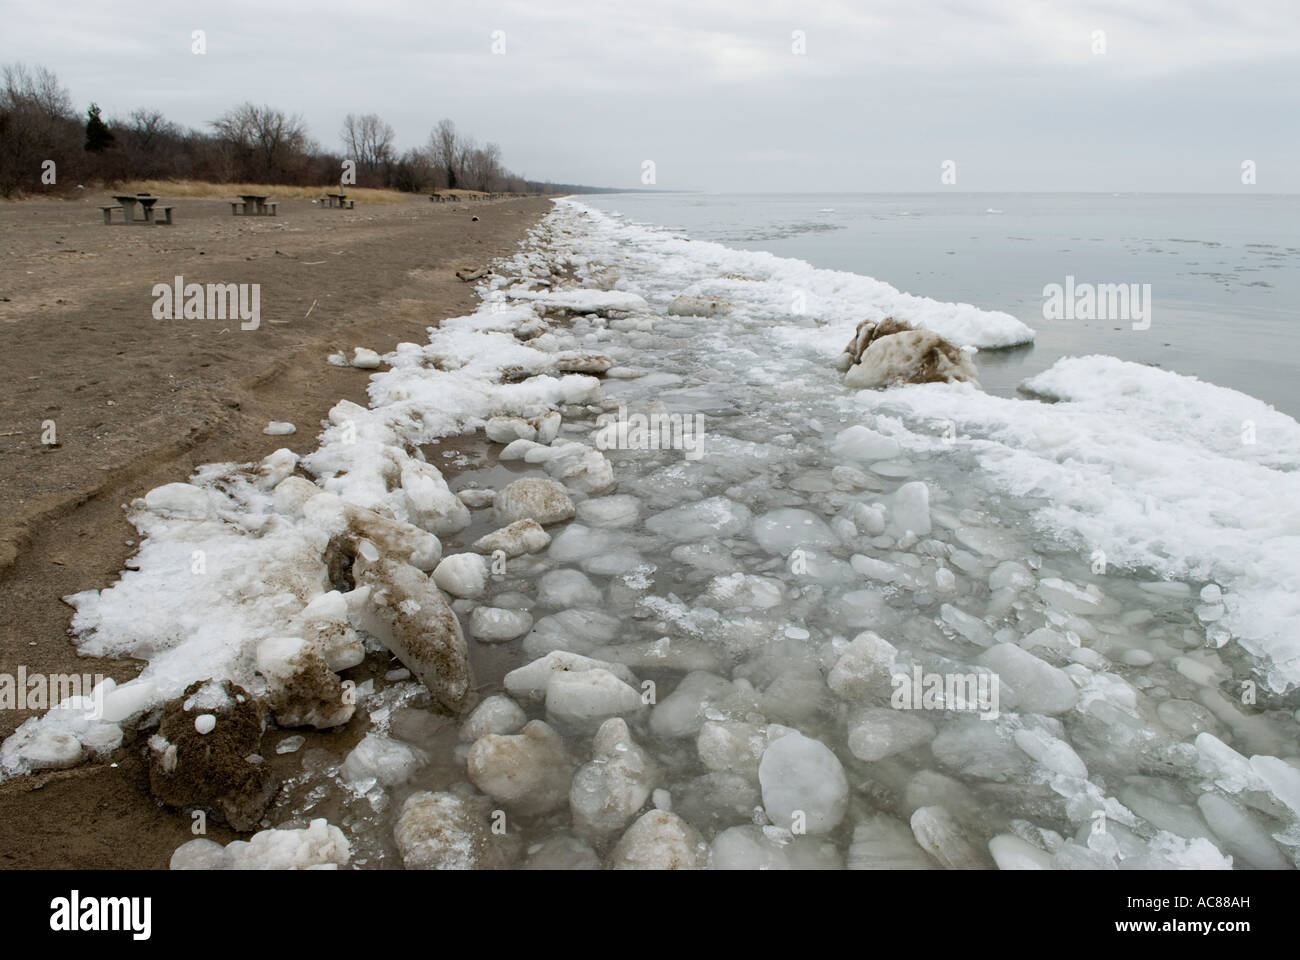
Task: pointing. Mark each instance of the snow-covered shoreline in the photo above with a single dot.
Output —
(963, 529)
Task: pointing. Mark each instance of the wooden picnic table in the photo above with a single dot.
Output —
(128, 202)
(339, 200)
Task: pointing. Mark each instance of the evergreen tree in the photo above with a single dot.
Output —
(98, 137)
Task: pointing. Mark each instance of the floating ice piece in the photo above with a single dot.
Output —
(974, 747)
(567, 588)
(879, 732)
(864, 444)
(782, 531)
(1071, 598)
(509, 429)
(1056, 755)
(711, 518)
(939, 835)
(496, 714)
(441, 831)
(750, 847)
(382, 760)
(803, 785)
(883, 843)
(462, 574)
(495, 625)
(607, 792)
(577, 630)
(514, 540)
(581, 700)
(1241, 833)
(533, 680)
(659, 841)
(579, 544)
(909, 510)
(864, 669)
(744, 592)
(1010, 852)
(529, 771)
(681, 713)
(477, 499)
(619, 510)
(316, 846)
(533, 498)
(732, 745)
(1039, 687)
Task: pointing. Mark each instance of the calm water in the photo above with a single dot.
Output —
(1224, 269)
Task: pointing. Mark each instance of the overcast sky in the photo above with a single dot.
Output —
(715, 94)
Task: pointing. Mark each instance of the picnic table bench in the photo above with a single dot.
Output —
(339, 200)
(127, 203)
(252, 205)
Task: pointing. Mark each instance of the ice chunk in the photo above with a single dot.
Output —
(1010, 852)
(619, 510)
(532, 680)
(1056, 755)
(317, 846)
(508, 429)
(681, 713)
(383, 760)
(496, 714)
(909, 510)
(580, 700)
(659, 841)
(533, 498)
(567, 588)
(462, 574)
(883, 843)
(1039, 687)
(864, 444)
(879, 732)
(939, 835)
(706, 519)
(514, 540)
(441, 831)
(803, 785)
(864, 669)
(496, 625)
(782, 531)
(529, 771)
(607, 792)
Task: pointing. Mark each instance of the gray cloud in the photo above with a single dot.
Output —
(713, 93)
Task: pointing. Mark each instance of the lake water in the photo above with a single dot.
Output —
(1224, 269)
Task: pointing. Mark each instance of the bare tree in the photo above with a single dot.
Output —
(267, 144)
(37, 123)
(149, 127)
(445, 150)
(369, 141)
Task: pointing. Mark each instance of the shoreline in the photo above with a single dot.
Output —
(936, 494)
(71, 534)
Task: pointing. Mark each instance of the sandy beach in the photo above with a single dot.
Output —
(138, 402)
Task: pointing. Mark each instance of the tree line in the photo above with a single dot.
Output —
(39, 126)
